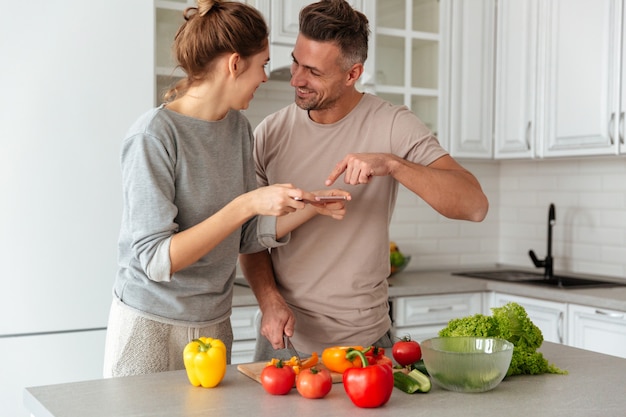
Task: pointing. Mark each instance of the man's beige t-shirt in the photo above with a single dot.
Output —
(333, 273)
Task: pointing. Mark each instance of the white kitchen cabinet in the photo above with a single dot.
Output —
(621, 144)
(515, 114)
(405, 53)
(421, 317)
(282, 16)
(466, 68)
(549, 316)
(36, 360)
(579, 94)
(557, 78)
(244, 333)
(168, 18)
(597, 329)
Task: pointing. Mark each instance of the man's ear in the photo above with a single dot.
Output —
(354, 74)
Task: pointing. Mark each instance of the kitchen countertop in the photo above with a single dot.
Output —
(594, 387)
(412, 283)
(443, 282)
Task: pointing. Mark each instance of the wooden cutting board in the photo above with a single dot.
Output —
(253, 370)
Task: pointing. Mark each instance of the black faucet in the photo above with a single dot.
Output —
(546, 263)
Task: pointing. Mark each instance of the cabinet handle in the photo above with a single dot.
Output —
(439, 309)
(621, 128)
(528, 126)
(611, 123)
(560, 327)
(612, 315)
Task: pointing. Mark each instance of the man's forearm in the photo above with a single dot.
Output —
(258, 271)
(447, 187)
(278, 319)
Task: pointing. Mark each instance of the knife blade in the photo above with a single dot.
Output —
(289, 345)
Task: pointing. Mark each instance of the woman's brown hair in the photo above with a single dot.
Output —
(211, 29)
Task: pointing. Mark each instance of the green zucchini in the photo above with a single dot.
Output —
(419, 365)
(423, 380)
(414, 381)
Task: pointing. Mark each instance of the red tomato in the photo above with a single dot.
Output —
(314, 382)
(278, 379)
(376, 356)
(406, 351)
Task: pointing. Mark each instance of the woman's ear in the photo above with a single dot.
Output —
(235, 64)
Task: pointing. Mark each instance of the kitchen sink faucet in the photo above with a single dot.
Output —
(548, 261)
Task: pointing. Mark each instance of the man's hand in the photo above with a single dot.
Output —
(359, 168)
(335, 209)
(277, 320)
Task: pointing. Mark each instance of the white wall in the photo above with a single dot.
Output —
(589, 195)
(75, 76)
(590, 199)
(436, 242)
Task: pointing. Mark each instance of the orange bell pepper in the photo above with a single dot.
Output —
(334, 358)
(297, 365)
(306, 363)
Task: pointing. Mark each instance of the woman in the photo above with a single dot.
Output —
(190, 196)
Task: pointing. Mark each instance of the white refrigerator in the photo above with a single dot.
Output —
(75, 74)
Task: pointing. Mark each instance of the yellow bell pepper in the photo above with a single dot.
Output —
(205, 361)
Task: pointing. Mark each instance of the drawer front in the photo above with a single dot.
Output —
(243, 352)
(242, 319)
(597, 329)
(418, 333)
(435, 309)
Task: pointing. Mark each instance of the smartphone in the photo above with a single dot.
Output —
(323, 199)
(330, 198)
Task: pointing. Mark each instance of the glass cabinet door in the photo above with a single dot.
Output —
(169, 17)
(407, 55)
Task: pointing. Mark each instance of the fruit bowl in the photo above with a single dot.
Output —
(467, 364)
(400, 268)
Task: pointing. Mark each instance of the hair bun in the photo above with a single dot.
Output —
(205, 6)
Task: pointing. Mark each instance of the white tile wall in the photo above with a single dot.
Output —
(589, 195)
(590, 199)
(437, 242)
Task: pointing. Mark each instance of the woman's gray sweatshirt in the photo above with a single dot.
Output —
(176, 172)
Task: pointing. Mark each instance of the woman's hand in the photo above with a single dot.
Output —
(278, 199)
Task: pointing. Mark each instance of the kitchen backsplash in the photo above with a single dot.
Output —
(590, 199)
(589, 195)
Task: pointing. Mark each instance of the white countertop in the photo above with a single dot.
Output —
(412, 283)
(594, 387)
(443, 282)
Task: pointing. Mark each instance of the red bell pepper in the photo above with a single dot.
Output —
(369, 386)
(376, 356)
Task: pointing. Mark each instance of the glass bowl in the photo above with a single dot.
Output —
(467, 364)
(400, 268)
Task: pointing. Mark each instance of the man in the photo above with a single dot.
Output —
(328, 286)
